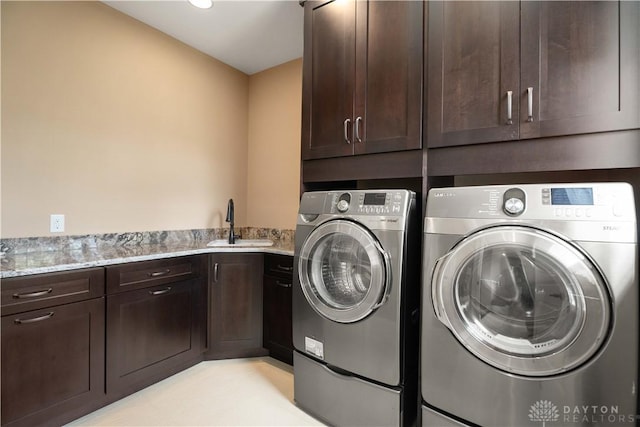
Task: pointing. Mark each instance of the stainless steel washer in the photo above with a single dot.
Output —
(530, 306)
(355, 307)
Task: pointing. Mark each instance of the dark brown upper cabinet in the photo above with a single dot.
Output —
(502, 71)
(362, 77)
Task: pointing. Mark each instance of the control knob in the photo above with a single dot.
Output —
(513, 206)
(343, 206)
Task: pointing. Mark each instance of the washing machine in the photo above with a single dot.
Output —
(355, 307)
(530, 306)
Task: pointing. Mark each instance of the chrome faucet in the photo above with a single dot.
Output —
(230, 220)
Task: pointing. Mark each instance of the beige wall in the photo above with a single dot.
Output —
(118, 126)
(275, 104)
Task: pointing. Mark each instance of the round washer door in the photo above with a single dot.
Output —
(343, 271)
(522, 300)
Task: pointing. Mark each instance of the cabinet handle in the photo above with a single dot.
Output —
(346, 130)
(530, 104)
(283, 285)
(33, 294)
(509, 105)
(35, 319)
(159, 273)
(284, 268)
(215, 272)
(161, 291)
(357, 128)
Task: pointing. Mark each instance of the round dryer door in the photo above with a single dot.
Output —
(522, 300)
(343, 271)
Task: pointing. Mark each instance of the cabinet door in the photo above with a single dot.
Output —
(52, 363)
(388, 97)
(150, 333)
(278, 280)
(235, 307)
(582, 63)
(277, 318)
(328, 79)
(473, 51)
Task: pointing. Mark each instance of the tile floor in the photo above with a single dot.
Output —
(237, 392)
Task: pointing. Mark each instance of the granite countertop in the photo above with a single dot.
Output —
(48, 261)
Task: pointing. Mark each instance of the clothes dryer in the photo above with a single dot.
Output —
(530, 306)
(355, 307)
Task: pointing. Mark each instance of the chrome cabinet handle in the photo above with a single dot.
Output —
(161, 291)
(284, 268)
(33, 294)
(357, 128)
(159, 273)
(215, 272)
(509, 105)
(35, 319)
(346, 130)
(283, 285)
(530, 104)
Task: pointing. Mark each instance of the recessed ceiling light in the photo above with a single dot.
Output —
(202, 4)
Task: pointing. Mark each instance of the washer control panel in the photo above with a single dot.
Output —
(578, 202)
(372, 202)
(581, 202)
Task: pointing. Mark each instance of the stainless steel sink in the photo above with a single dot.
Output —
(224, 243)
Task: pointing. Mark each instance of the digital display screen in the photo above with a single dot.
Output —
(572, 196)
(375, 199)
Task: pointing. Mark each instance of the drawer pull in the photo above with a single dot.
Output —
(159, 273)
(161, 291)
(35, 319)
(33, 294)
(283, 285)
(284, 268)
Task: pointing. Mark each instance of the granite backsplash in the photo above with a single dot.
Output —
(109, 241)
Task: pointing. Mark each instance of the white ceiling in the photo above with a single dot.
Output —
(248, 35)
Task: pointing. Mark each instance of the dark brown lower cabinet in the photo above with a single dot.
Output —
(153, 333)
(235, 306)
(52, 363)
(278, 279)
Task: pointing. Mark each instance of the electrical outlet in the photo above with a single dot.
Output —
(57, 223)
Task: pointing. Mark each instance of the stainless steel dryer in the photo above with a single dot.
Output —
(530, 306)
(355, 307)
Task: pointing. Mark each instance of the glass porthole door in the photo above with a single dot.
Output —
(522, 300)
(344, 272)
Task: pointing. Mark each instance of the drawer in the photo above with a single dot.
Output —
(45, 290)
(278, 265)
(136, 275)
